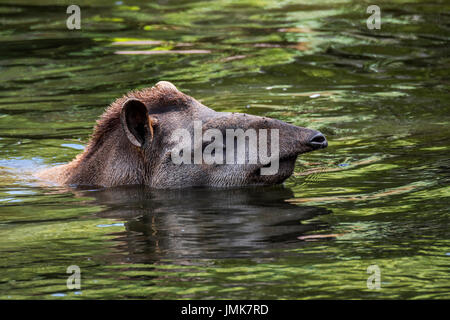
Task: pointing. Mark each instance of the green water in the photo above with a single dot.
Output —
(378, 195)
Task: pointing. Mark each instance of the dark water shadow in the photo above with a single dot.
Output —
(206, 223)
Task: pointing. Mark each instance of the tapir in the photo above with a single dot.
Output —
(133, 144)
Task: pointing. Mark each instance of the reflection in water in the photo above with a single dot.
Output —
(380, 96)
(205, 223)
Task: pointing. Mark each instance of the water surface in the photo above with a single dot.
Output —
(378, 195)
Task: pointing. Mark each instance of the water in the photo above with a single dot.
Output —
(378, 195)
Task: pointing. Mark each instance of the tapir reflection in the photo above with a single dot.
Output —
(206, 223)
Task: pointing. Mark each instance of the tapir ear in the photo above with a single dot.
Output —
(134, 119)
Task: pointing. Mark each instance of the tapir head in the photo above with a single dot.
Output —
(163, 138)
(183, 143)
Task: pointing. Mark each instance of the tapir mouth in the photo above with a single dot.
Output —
(286, 165)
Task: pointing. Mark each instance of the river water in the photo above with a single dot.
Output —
(377, 197)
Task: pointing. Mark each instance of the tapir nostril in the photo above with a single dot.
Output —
(318, 141)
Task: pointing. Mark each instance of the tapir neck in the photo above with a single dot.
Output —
(109, 162)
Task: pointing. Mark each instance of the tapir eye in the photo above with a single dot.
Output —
(207, 143)
(210, 147)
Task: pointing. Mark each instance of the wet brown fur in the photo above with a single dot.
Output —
(107, 135)
(131, 144)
